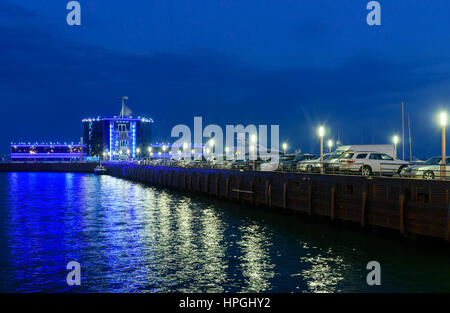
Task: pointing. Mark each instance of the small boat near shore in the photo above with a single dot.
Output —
(100, 170)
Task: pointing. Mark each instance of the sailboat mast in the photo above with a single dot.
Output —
(410, 141)
(403, 129)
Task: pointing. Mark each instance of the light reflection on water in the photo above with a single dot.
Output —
(134, 238)
(255, 259)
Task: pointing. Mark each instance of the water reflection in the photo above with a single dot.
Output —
(257, 268)
(323, 270)
(134, 238)
(213, 248)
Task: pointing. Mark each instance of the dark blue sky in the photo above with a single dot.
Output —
(293, 63)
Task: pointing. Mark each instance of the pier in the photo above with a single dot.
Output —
(409, 206)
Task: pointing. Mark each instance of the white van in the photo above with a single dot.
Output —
(387, 149)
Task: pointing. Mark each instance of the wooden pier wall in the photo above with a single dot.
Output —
(406, 205)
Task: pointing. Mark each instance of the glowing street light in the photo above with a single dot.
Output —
(321, 134)
(321, 131)
(284, 147)
(138, 150)
(330, 145)
(443, 120)
(395, 140)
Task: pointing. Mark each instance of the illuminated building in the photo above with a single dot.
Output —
(46, 152)
(117, 137)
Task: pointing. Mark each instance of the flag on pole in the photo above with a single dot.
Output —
(125, 98)
(126, 111)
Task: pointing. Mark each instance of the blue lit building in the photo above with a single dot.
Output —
(46, 152)
(117, 137)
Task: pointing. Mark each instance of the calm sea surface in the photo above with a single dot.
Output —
(134, 238)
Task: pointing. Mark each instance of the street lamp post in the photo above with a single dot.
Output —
(321, 134)
(330, 145)
(443, 120)
(395, 141)
(284, 148)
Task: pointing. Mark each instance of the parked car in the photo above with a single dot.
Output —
(369, 162)
(291, 164)
(331, 164)
(431, 169)
(313, 165)
(274, 165)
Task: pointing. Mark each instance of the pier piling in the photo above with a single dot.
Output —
(406, 205)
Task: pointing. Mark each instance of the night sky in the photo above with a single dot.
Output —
(298, 64)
